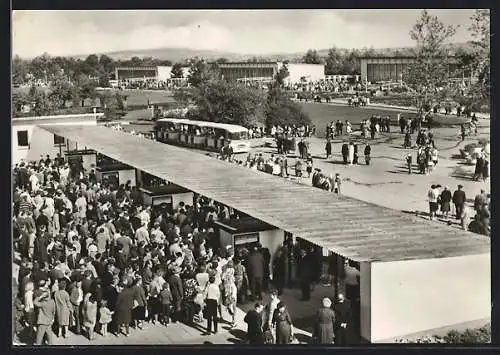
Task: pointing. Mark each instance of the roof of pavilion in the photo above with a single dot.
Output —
(355, 229)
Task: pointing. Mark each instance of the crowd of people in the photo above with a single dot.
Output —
(443, 199)
(94, 259)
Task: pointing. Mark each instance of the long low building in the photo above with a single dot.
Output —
(393, 68)
(415, 275)
(267, 70)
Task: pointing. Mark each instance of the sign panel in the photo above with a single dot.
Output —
(240, 239)
(158, 200)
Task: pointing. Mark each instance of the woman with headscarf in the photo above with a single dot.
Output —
(283, 324)
(323, 332)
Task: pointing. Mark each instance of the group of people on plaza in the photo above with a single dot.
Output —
(445, 199)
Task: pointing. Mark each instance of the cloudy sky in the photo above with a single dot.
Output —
(246, 32)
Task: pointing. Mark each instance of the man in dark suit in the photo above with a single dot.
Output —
(306, 268)
(73, 259)
(256, 272)
(343, 315)
(459, 199)
(267, 268)
(253, 319)
(176, 289)
(345, 152)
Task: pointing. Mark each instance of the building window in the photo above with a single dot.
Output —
(22, 138)
(58, 140)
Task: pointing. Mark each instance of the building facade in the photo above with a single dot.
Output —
(383, 69)
(135, 73)
(245, 70)
(266, 71)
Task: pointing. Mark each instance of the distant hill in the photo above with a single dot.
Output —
(181, 54)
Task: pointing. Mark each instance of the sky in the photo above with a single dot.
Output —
(243, 31)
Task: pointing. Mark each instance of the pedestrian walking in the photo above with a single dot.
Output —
(343, 320)
(368, 152)
(445, 200)
(253, 319)
(324, 328)
(433, 195)
(212, 300)
(459, 199)
(328, 148)
(409, 163)
(46, 309)
(282, 322)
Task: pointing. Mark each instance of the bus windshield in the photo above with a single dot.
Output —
(236, 136)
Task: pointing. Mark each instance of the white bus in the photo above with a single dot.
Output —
(202, 135)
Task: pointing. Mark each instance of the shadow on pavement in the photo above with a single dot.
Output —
(239, 336)
(303, 338)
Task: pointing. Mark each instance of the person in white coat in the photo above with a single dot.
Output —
(350, 156)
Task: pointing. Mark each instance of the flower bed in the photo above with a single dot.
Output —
(469, 336)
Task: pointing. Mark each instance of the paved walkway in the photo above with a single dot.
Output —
(181, 334)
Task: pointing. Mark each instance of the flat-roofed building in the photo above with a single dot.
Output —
(29, 142)
(136, 73)
(266, 71)
(393, 68)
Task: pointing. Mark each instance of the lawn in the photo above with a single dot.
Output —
(140, 97)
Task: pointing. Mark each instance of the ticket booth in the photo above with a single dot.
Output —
(116, 174)
(246, 232)
(166, 197)
(86, 157)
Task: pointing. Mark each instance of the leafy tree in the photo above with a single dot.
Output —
(61, 91)
(429, 72)
(228, 102)
(177, 71)
(104, 80)
(480, 61)
(280, 110)
(39, 66)
(19, 99)
(85, 89)
(283, 112)
(91, 65)
(106, 63)
(333, 61)
(20, 70)
(199, 73)
(221, 60)
(311, 57)
(42, 105)
(281, 75)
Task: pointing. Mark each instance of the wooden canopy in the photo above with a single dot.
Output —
(352, 228)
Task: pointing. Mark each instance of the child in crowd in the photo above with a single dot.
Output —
(105, 317)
